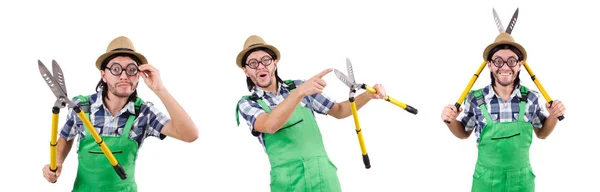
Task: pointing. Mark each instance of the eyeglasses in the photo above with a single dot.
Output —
(130, 70)
(511, 62)
(265, 61)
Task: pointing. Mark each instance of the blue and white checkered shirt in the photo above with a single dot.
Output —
(500, 111)
(149, 122)
(250, 109)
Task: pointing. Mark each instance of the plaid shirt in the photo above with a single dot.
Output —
(149, 122)
(250, 110)
(500, 111)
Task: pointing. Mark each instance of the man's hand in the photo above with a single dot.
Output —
(315, 84)
(380, 92)
(449, 113)
(557, 109)
(49, 175)
(151, 77)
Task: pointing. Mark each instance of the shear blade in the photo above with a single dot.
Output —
(59, 75)
(350, 71)
(343, 78)
(50, 81)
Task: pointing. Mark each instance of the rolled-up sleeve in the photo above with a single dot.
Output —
(320, 102)
(540, 113)
(69, 130)
(250, 110)
(467, 116)
(156, 120)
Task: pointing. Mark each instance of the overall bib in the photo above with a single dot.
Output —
(503, 153)
(297, 155)
(95, 173)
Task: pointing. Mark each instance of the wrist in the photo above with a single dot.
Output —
(298, 94)
(161, 92)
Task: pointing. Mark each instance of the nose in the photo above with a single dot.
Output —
(123, 76)
(505, 66)
(260, 66)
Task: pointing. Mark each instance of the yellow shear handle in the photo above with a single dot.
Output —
(53, 138)
(540, 87)
(88, 125)
(363, 149)
(406, 107)
(468, 88)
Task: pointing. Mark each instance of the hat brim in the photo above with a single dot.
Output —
(491, 46)
(108, 54)
(243, 52)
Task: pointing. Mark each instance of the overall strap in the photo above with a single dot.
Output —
(84, 104)
(523, 103)
(291, 85)
(129, 124)
(481, 103)
(253, 98)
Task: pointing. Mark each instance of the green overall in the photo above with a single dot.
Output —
(503, 160)
(94, 172)
(297, 154)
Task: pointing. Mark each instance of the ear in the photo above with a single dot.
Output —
(245, 71)
(275, 64)
(102, 73)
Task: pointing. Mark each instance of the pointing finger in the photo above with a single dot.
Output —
(323, 73)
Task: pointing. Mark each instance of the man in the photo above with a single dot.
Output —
(122, 120)
(281, 115)
(504, 114)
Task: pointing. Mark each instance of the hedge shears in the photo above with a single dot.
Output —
(56, 82)
(354, 87)
(508, 30)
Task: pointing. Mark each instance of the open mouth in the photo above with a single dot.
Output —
(263, 75)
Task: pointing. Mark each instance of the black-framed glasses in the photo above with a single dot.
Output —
(511, 62)
(265, 61)
(131, 69)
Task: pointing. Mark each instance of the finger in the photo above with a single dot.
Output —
(319, 87)
(146, 67)
(321, 82)
(452, 107)
(323, 73)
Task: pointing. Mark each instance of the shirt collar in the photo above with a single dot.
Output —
(492, 94)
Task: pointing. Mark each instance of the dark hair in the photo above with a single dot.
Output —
(513, 49)
(249, 82)
(102, 85)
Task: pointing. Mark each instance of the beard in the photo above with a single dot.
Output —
(264, 84)
(120, 92)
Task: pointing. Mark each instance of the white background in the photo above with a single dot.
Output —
(423, 52)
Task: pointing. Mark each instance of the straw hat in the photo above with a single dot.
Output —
(120, 44)
(504, 38)
(252, 42)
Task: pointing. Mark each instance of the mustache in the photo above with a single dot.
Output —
(124, 82)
